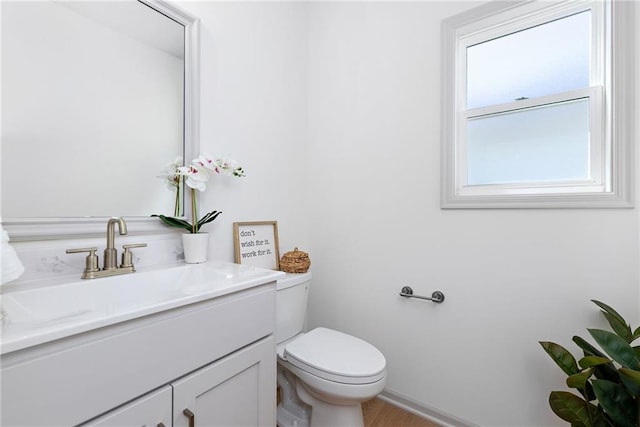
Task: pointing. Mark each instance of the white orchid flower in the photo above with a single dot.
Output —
(219, 165)
(206, 161)
(224, 166)
(170, 174)
(196, 177)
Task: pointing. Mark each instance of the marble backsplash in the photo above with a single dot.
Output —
(46, 260)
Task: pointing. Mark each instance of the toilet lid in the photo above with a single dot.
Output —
(336, 356)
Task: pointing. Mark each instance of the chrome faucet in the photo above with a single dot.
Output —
(110, 253)
(92, 271)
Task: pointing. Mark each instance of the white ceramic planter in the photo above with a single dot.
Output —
(195, 247)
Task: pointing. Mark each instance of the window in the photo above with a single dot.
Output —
(533, 114)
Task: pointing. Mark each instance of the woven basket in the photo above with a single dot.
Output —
(295, 262)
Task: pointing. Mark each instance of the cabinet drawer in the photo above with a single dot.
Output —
(151, 410)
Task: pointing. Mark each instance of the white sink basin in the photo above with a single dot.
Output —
(39, 315)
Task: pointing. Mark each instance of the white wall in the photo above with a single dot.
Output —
(511, 277)
(359, 83)
(254, 109)
(333, 109)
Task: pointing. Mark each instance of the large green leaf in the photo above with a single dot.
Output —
(631, 380)
(622, 329)
(589, 361)
(561, 356)
(613, 316)
(599, 419)
(579, 380)
(606, 372)
(616, 402)
(588, 349)
(571, 408)
(636, 334)
(616, 347)
(632, 374)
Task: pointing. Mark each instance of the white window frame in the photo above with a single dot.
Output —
(611, 99)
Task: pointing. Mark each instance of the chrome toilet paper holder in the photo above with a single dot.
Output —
(436, 296)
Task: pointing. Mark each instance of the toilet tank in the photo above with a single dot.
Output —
(291, 305)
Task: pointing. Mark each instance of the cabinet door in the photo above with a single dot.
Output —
(238, 390)
(150, 410)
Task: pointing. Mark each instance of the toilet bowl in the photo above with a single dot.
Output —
(324, 374)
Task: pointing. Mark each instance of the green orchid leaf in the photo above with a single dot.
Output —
(616, 347)
(589, 361)
(571, 408)
(579, 381)
(208, 218)
(619, 405)
(561, 356)
(636, 334)
(174, 222)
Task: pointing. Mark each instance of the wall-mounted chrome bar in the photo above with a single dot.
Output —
(436, 296)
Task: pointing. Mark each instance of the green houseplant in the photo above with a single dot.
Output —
(608, 381)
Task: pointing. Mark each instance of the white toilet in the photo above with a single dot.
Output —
(324, 375)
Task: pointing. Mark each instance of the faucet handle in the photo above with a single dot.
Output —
(91, 262)
(127, 256)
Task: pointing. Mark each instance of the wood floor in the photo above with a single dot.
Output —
(378, 413)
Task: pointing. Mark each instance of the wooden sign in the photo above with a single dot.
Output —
(256, 244)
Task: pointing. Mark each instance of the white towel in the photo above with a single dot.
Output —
(10, 268)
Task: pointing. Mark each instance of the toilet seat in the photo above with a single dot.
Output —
(336, 356)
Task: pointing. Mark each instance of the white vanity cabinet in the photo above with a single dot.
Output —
(214, 357)
(234, 391)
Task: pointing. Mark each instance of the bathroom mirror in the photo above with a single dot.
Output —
(97, 98)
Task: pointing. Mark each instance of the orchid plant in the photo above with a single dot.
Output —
(196, 175)
(172, 179)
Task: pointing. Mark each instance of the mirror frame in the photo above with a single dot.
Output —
(52, 228)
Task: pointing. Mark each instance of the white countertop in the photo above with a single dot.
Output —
(39, 315)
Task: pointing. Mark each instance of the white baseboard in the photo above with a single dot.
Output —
(432, 414)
